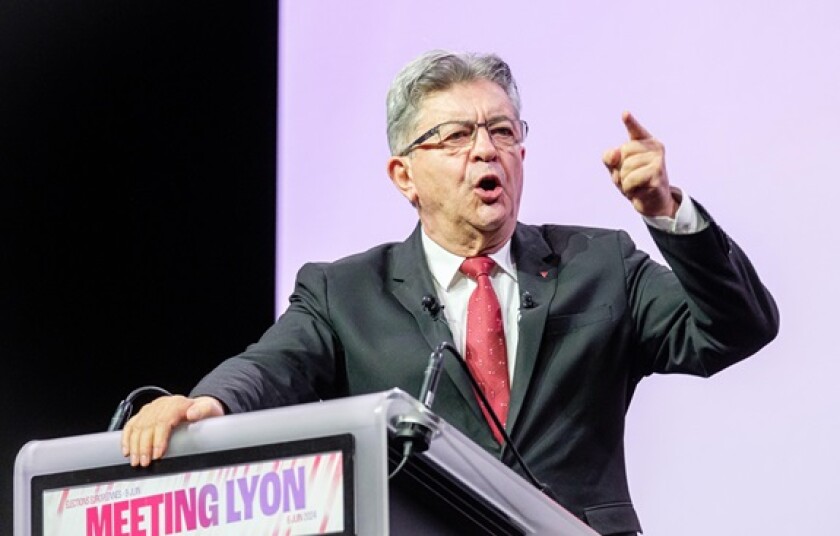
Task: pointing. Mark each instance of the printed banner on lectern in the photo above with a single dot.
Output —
(284, 497)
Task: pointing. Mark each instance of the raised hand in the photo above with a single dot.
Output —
(638, 170)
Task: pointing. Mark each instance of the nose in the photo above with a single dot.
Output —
(484, 149)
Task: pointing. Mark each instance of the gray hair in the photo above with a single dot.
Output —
(438, 70)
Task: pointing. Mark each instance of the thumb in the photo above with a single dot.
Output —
(611, 158)
(204, 407)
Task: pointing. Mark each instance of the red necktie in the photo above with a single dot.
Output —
(486, 353)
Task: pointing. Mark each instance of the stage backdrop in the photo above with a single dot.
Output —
(745, 97)
(137, 186)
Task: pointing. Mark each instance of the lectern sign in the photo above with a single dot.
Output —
(291, 495)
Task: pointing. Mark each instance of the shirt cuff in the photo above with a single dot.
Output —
(687, 220)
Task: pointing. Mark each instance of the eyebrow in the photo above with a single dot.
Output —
(488, 120)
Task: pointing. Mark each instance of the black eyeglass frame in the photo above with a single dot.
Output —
(523, 127)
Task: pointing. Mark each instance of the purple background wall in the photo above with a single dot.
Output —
(745, 97)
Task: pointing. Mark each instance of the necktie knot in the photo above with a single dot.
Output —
(475, 266)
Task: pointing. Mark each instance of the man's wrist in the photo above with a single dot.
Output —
(687, 219)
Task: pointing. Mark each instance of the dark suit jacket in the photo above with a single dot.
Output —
(605, 316)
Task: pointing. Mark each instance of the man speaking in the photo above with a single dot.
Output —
(558, 323)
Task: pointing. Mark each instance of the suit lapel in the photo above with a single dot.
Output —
(410, 281)
(536, 267)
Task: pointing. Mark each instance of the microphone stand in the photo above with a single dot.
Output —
(415, 437)
(537, 484)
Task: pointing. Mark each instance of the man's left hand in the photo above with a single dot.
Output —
(637, 168)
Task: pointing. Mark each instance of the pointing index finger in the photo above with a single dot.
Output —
(634, 128)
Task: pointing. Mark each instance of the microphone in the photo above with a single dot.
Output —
(125, 406)
(533, 479)
(414, 437)
(527, 301)
(430, 379)
(432, 306)
(411, 435)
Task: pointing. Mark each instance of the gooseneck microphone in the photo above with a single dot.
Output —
(413, 436)
(537, 484)
(430, 379)
(125, 406)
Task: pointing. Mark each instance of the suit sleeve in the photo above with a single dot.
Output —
(294, 361)
(708, 312)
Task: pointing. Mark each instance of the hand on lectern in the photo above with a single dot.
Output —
(145, 436)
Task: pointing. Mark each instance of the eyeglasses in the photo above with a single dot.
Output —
(457, 135)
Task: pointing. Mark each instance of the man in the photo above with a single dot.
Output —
(576, 316)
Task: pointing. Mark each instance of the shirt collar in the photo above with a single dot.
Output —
(445, 266)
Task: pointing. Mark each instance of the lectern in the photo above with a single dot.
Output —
(319, 468)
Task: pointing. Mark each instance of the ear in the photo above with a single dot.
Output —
(399, 169)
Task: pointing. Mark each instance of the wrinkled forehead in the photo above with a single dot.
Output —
(470, 101)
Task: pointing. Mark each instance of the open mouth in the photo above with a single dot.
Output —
(488, 184)
(489, 189)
